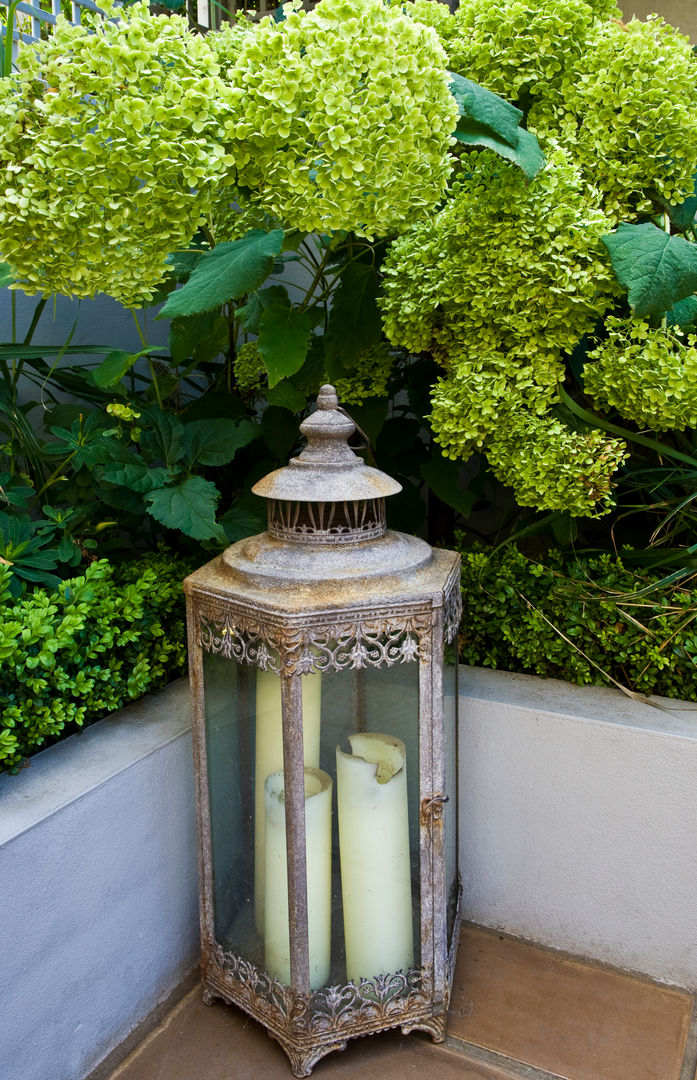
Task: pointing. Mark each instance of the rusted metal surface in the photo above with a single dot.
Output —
(295, 604)
(294, 785)
(327, 470)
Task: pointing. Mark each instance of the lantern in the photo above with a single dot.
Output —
(324, 688)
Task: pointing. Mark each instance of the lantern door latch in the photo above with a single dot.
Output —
(432, 809)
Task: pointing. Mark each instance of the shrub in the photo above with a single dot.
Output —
(585, 619)
(69, 657)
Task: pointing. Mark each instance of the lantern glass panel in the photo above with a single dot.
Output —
(368, 715)
(229, 711)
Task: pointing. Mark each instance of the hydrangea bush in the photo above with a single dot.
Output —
(345, 117)
(342, 139)
(110, 154)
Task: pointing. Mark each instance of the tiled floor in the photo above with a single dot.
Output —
(517, 1012)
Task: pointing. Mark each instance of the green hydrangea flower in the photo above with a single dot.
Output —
(507, 267)
(551, 467)
(627, 112)
(648, 375)
(110, 154)
(345, 118)
(369, 377)
(514, 45)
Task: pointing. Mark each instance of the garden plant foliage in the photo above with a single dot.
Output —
(584, 619)
(391, 152)
(72, 655)
(479, 226)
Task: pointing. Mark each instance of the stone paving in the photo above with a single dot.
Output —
(518, 1012)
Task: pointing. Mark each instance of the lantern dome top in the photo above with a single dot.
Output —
(327, 470)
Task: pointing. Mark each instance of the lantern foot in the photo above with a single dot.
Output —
(303, 1062)
(434, 1025)
(208, 997)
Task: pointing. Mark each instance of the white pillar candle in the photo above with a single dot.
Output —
(371, 785)
(318, 853)
(268, 757)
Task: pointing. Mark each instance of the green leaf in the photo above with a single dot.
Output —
(244, 519)
(286, 396)
(162, 440)
(136, 476)
(183, 263)
(487, 109)
(284, 336)
(6, 276)
(250, 314)
(527, 155)
(215, 442)
(66, 549)
(354, 321)
(684, 313)
(280, 431)
(115, 365)
(443, 478)
(199, 337)
(655, 268)
(228, 271)
(188, 507)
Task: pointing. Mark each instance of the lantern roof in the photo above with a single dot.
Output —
(327, 470)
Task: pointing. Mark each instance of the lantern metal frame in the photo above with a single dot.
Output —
(299, 606)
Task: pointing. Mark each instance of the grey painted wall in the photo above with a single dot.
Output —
(98, 873)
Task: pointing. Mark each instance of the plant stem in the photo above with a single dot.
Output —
(623, 433)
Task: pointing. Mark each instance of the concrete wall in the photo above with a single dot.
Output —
(578, 818)
(98, 879)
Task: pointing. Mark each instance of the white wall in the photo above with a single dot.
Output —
(98, 878)
(578, 819)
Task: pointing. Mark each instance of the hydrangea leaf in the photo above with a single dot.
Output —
(228, 271)
(684, 313)
(354, 321)
(477, 104)
(443, 478)
(215, 442)
(6, 276)
(284, 337)
(526, 154)
(188, 507)
(656, 269)
(251, 313)
(135, 476)
(286, 396)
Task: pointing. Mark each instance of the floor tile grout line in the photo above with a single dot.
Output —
(517, 1069)
(689, 1061)
(156, 1032)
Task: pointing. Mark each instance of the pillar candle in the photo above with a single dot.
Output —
(318, 848)
(269, 757)
(371, 786)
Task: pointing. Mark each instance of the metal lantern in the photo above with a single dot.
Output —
(323, 674)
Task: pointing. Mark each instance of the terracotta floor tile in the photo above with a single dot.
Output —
(564, 1016)
(219, 1042)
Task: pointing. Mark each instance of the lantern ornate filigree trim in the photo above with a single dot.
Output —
(378, 643)
(327, 523)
